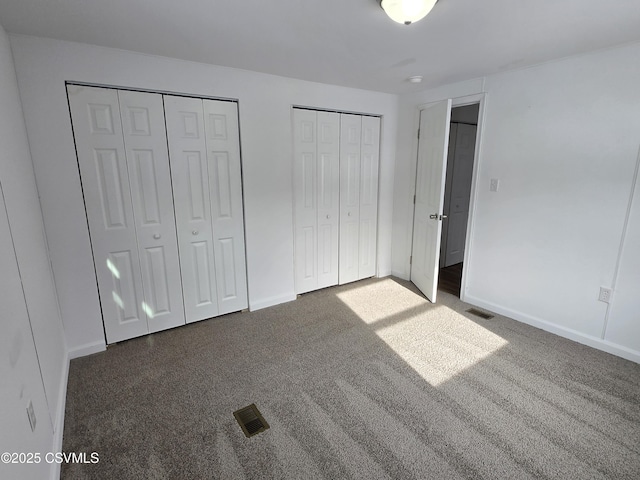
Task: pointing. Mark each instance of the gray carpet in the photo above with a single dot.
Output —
(368, 381)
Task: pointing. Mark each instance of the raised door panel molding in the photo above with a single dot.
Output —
(370, 158)
(328, 198)
(145, 141)
(350, 151)
(222, 139)
(191, 192)
(305, 210)
(99, 140)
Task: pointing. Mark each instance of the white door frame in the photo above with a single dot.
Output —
(481, 99)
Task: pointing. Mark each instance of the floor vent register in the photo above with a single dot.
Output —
(251, 420)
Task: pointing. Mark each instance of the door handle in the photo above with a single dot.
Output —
(157, 236)
(433, 216)
(194, 232)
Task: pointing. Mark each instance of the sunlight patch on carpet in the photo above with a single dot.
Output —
(435, 340)
(371, 302)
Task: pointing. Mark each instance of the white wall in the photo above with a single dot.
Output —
(265, 122)
(34, 362)
(623, 325)
(563, 139)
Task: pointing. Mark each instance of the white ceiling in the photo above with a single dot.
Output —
(343, 42)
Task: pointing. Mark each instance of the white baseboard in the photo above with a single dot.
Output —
(87, 349)
(58, 430)
(270, 302)
(576, 336)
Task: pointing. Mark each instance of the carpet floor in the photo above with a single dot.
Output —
(364, 381)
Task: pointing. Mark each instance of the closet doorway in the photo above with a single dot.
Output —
(335, 197)
(162, 185)
(457, 195)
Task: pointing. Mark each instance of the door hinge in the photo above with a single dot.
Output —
(414, 198)
(410, 259)
(418, 134)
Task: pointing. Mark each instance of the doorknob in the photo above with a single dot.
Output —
(433, 216)
(194, 232)
(157, 236)
(328, 217)
(442, 216)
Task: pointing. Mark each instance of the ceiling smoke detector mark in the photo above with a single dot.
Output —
(479, 313)
(404, 63)
(415, 79)
(251, 420)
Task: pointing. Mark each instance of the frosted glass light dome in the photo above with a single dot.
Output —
(407, 11)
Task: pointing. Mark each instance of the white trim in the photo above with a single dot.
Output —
(87, 349)
(623, 238)
(58, 430)
(569, 333)
(271, 301)
(481, 99)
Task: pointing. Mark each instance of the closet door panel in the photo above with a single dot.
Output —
(370, 153)
(328, 197)
(190, 179)
(148, 165)
(225, 190)
(305, 171)
(350, 140)
(99, 140)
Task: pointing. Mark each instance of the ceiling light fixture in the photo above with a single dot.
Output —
(407, 11)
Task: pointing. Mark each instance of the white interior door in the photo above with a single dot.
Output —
(305, 171)
(225, 189)
(350, 143)
(145, 143)
(430, 183)
(316, 187)
(369, 159)
(460, 194)
(190, 177)
(105, 180)
(328, 187)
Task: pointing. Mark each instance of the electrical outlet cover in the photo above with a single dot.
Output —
(605, 295)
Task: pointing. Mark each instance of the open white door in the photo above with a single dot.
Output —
(433, 144)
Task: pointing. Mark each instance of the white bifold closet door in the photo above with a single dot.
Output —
(335, 172)
(316, 174)
(204, 152)
(359, 158)
(122, 155)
